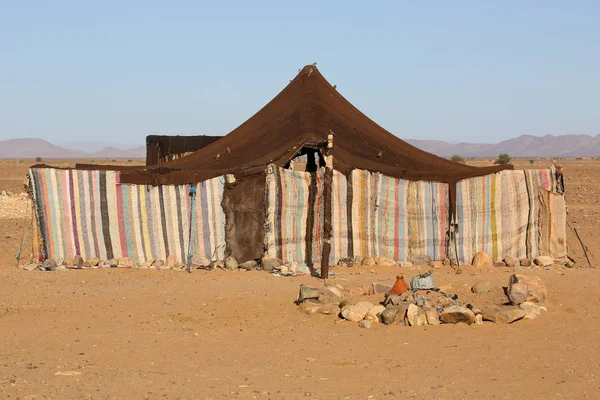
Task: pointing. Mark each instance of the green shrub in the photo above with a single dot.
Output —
(503, 159)
(457, 159)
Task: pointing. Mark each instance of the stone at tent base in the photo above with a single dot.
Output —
(405, 264)
(203, 262)
(532, 310)
(31, 266)
(368, 261)
(522, 288)
(171, 261)
(270, 263)
(374, 314)
(356, 312)
(49, 264)
(248, 265)
(217, 264)
(336, 291)
(330, 296)
(433, 317)
(502, 314)
(571, 264)
(61, 268)
(356, 290)
(148, 263)
(499, 264)
(92, 262)
(126, 262)
(345, 262)
(311, 307)
(77, 261)
(511, 262)
(478, 319)
(458, 314)
(307, 292)
(416, 316)
(367, 324)
(231, 263)
(420, 259)
(158, 263)
(543, 261)
(384, 262)
(482, 260)
(483, 287)
(525, 262)
(447, 262)
(437, 264)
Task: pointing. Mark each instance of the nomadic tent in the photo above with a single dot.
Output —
(237, 196)
(164, 148)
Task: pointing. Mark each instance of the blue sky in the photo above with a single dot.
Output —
(116, 71)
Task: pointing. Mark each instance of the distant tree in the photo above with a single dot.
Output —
(457, 159)
(531, 161)
(114, 160)
(503, 159)
(38, 159)
(129, 160)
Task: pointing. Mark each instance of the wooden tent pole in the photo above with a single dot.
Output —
(327, 190)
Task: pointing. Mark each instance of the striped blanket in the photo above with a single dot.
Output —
(552, 225)
(537, 181)
(91, 214)
(492, 214)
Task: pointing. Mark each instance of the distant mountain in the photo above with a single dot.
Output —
(522, 146)
(33, 148)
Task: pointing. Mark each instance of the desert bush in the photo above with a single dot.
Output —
(38, 159)
(114, 160)
(531, 161)
(129, 160)
(503, 159)
(457, 159)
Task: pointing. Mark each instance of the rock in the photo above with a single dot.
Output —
(405, 264)
(248, 265)
(433, 317)
(384, 262)
(478, 319)
(543, 261)
(499, 264)
(345, 262)
(158, 263)
(203, 262)
(365, 323)
(171, 262)
(147, 263)
(378, 288)
(511, 262)
(356, 312)
(525, 262)
(31, 266)
(307, 292)
(502, 314)
(391, 314)
(420, 260)
(49, 264)
(356, 290)
(437, 264)
(522, 288)
(571, 264)
(329, 296)
(482, 260)
(394, 299)
(416, 316)
(128, 262)
(270, 263)
(374, 314)
(335, 290)
(532, 310)
(77, 261)
(483, 287)
(284, 270)
(230, 263)
(217, 264)
(61, 268)
(458, 314)
(447, 262)
(310, 307)
(368, 261)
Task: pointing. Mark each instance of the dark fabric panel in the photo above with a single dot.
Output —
(161, 148)
(104, 216)
(244, 207)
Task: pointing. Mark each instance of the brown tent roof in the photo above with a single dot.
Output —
(304, 113)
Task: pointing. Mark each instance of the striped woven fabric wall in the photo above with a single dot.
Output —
(293, 231)
(90, 213)
(552, 225)
(537, 180)
(492, 214)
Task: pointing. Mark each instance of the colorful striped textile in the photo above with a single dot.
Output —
(91, 214)
(537, 180)
(294, 226)
(552, 226)
(492, 215)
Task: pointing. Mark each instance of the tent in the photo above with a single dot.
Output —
(165, 148)
(380, 196)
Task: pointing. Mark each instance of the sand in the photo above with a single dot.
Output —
(135, 334)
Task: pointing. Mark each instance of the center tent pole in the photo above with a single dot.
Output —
(327, 191)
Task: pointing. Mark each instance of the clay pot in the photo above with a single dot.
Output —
(400, 286)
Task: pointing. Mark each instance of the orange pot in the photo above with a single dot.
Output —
(400, 286)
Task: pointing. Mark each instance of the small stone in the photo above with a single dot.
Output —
(433, 317)
(394, 299)
(345, 262)
(522, 288)
(77, 261)
(127, 262)
(158, 263)
(420, 260)
(217, 264)
(405, 264)
(307, 292)
(270, 263)
(502, 314)
(378, 288)
(146, 264)
(310, 307)
(203, 262)
(447, 262)
(532, 310)
(384, 262)
(511, 262)
(436, 264)
(284, 270)
(482, 260)
(478, 319)
(368, 261)
(356, 290)
(416, 316)
(483, 287)
(458, 314)
(374, 314)
(390, 315)
(49, 264)
(31, 266)
(248, 265)
(171, 261)
(356, 312)
(230, 263)
(367, 324)
(337, 291)
(543, 261)
(525, 262)
(571, 264)
(330, 296)
(499, 264)
(61, 268)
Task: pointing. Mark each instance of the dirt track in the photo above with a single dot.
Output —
(134, 334)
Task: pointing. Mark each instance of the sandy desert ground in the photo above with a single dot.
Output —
(144, 334)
